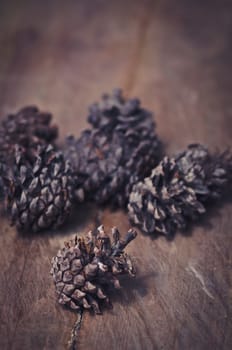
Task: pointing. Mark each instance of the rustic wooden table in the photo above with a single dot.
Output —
(175, 56)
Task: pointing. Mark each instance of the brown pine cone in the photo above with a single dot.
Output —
(87, 268)
(28, 128)
(179, 189)
(39, 192)
(121, 148)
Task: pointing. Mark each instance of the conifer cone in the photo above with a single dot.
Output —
(179, 189)
(39, 191)
(28, 128)
(120, 149)
(87, 269)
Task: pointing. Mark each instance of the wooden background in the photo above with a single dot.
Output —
(175, 56)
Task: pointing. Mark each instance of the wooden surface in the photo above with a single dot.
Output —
(175, 56)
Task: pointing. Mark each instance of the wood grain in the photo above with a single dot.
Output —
(175, 56)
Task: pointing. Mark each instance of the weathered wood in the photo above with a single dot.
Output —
(176, 57)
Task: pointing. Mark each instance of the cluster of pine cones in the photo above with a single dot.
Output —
(117, 161)
(40, 181)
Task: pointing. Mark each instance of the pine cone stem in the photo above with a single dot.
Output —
(72, 343)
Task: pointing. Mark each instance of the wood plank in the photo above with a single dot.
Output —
(176, 57)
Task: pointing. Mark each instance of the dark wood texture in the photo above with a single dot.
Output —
(176, 56)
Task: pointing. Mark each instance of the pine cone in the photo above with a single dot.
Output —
(120, 149)
(178, 188)
(39, 193)
(28, 128)
(87, 268)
